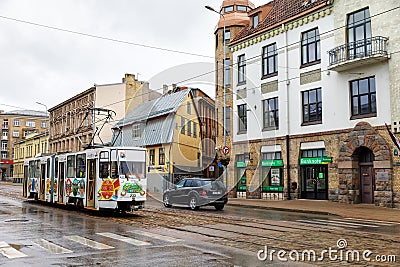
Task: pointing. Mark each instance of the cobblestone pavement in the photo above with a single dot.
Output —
(253, 234)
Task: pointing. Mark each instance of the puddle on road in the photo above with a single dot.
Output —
(18, 247)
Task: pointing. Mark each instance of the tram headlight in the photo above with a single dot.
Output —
(123, 193)
(142, 193)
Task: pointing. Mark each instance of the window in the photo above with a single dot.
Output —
(189, 127)
(4, 155)
(241, 69)
(194, 130)
(161, 156)
(30, 123)
(183, 125)
(227, 72)
(189, 108)
(4, 146)
(228, 9)
(227, 36)
(269, 60)
(136, 133)
(241, 8)
(71, 166)
(228, 120)
(81, 166)
(363, 97)
(313, 153)
(152, 156)
(15, 133)
(310, 47)
(312, 106)
(271, 155)
(242, 112)
(255, 21)
(359, 34)
(43, 124)
(271, 113)
(16, 123)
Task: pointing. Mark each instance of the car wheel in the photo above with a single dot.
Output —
(219, 206)
(193, 203)
(166, 201)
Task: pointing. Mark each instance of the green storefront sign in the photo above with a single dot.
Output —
(315, 161)
(242, 184)
(241, 164)
(272, 163)
(272, 188)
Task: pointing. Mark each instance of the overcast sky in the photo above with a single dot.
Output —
(39, 64)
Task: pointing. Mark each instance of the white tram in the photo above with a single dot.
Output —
(99, 178)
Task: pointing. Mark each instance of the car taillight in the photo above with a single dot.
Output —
(204, 193)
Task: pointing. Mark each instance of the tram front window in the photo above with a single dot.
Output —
(132, 169)
(104, 170)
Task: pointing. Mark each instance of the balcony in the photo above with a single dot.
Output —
(359, 53)
(4, 126)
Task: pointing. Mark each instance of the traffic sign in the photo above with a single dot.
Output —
(225, 150)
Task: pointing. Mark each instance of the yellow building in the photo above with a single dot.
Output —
(169, 128)
(26, 148)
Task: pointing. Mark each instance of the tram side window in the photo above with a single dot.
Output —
(81, 166)
(56, 168)
(71, 166)
(104, 169)
(37, 169)
(34, 169)
(114, 169)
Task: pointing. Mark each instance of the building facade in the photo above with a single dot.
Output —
(28, 147)
(313, 85)
(15, 126)
(169, 128)
(87, 118)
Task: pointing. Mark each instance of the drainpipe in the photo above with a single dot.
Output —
(287, 83)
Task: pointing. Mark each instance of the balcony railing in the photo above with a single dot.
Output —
(357, 53)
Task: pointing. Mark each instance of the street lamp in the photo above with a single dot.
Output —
(224, 84)
(47, 141)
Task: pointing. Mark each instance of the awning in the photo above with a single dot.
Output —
(312, 145)
(269, 149)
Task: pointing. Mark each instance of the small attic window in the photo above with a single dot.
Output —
(255, 21)
(228, 9)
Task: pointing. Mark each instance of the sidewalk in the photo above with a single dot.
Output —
(359, 211)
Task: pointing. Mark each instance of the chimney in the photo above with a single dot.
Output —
(129, 79)
(165, 89)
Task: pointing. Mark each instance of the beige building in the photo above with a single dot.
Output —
(28, 147)
(86, 119)
(15, 126)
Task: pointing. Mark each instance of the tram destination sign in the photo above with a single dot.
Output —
(315, 161)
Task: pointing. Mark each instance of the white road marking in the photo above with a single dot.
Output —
(156, 236)
(125, 239)
(346, 223)
(327, 223)
(10, 252)
(386, 223)
(43, 243)
(88, 242)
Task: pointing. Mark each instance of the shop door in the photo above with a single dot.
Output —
(91, 182)
(367, 184)
(61, 175)
(314, 182)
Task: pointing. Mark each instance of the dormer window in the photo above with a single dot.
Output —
(241, 8)
(255, 21)
(228, 9)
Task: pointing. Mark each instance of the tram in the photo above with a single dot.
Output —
(98, 178)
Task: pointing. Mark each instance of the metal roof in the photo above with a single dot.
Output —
(158, 107)
(33, 113)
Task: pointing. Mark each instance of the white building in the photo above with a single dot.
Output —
(312, 84)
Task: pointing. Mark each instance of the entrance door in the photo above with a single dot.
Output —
(91, 163)
(61, 176)
(367, 184)
(314, 182)
(42, 181)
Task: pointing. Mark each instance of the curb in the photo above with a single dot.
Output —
(283, 209)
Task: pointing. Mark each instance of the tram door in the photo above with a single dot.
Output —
(25, 182)
(91, 163)
(42, 181)
(61, 175)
